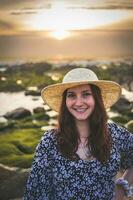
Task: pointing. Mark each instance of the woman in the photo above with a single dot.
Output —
(80, 159)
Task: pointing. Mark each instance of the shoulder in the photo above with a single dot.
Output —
(116, 128)
(50, 134)
(113, 129)
(118, 132)
(45, 149)
(48, 138)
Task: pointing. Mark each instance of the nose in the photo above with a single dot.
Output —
(78, 101)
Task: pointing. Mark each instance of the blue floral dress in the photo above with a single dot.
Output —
(54, 177)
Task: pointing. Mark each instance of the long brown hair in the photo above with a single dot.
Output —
(99, 139)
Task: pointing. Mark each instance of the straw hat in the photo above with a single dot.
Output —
(52, 95)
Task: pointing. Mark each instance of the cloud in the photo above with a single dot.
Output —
(108, 7)
(9, 3)
(23, 12)
(40, 4)
(30, 10)
(24, 5)
(102, 4)
(43, 6)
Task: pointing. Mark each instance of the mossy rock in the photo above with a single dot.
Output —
(129, 126)
(13, 182)
(25, 149)
(27, 125)
(18, 146)
(7, 149)
(23, 161)
(34, 121)
(129, 115)
(41, 116)
(5, 125)
(10, 86)
(120, 119)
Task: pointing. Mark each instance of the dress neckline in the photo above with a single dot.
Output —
(86, 160)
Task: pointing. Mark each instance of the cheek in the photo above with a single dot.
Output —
(92, 102)
(68, 103)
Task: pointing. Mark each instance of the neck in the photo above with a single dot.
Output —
(83, 129)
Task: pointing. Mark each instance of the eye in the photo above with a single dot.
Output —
(86, 94)
(70, 95)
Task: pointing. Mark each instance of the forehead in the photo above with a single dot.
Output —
(80, 88)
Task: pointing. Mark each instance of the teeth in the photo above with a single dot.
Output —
(80, 110)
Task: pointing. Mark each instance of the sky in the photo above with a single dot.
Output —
(58, 29)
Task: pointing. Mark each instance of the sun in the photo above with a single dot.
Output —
(60, 34)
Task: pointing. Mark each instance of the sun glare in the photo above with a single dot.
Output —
(60, 34)
(61, 17)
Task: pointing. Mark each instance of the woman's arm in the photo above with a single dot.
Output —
(124, 141)
(128, 176)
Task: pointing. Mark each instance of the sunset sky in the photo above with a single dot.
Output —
(44, 29)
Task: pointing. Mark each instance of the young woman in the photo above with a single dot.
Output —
(80, 159)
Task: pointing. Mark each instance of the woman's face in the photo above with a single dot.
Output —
(80, 102)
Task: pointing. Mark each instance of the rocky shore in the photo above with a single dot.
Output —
(13, 181)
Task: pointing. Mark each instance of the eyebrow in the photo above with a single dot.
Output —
(82, 91)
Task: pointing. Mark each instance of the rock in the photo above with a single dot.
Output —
(120, 119)
(129, 114)
(18, 113)
(34, 91)
(13, 181)
(127, 95)
(122, 105)
(38, 110)
(53, 122)
(46, 107)
(45, 128)
(52, 114)
(131, 86)
(129, 126)
(4, 126)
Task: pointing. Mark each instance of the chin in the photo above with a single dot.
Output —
(81, 118)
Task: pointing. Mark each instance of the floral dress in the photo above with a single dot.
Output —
(54, 177)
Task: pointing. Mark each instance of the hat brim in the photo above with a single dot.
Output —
(52, 95)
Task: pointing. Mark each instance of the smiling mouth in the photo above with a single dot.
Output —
(80, 110)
